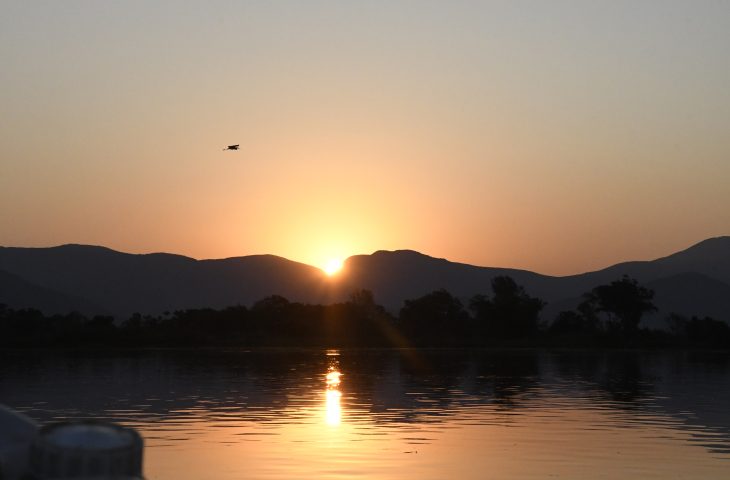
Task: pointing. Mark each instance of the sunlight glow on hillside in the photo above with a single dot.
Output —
(333, 266)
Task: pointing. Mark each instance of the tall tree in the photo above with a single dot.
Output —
(624, 301)
(510, 313)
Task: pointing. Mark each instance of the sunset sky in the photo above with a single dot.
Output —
(558, 136)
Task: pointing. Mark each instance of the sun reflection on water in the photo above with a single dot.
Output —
(333, 395)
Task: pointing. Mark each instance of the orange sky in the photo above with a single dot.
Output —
(558, 138)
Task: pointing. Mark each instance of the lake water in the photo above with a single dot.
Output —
(395, 414)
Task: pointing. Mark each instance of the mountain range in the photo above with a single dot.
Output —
(93, 279)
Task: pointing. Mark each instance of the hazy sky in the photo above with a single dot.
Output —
(556, 136)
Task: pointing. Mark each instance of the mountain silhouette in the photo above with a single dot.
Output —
(124, 283)
(710, 257)
(692, 294)
(394, 276)
(695, 281)
(19, 293)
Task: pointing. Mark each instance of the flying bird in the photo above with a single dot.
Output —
(231, 147)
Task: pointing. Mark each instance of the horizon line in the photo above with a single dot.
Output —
(344, 260)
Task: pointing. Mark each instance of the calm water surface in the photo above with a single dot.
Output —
(395, 414)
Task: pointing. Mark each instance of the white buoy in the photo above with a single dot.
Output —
(86, 449)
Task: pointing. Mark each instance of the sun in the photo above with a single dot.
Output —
(333, 266)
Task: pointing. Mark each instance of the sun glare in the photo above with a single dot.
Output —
(333, 266)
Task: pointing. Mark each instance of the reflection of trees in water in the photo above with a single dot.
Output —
(626, 381)
(397, 385)
(689, 388)
(622, 376)
(709, 361)
(409, 384)
(507, 376)
(696, 389)
(163, 384)
(416, 384)
(402, 381)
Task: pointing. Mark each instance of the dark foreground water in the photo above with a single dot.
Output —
(395, 414)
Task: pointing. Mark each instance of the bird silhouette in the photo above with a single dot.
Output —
(231, 147)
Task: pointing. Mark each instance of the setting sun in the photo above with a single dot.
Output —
(333, 266)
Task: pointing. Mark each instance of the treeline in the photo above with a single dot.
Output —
(609, 315)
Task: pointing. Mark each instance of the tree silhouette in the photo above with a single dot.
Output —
(437, 317)
(570, 322)
(624, 301)
(706, 332)
(510, 313)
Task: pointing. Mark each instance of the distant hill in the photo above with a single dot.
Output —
(692, 294)
(19, 293)
(710, 258)
(124, 283)
(403, 274)
(693, 281)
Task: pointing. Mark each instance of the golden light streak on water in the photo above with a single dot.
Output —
(333, 408)
(333, 395)
(333, 379)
